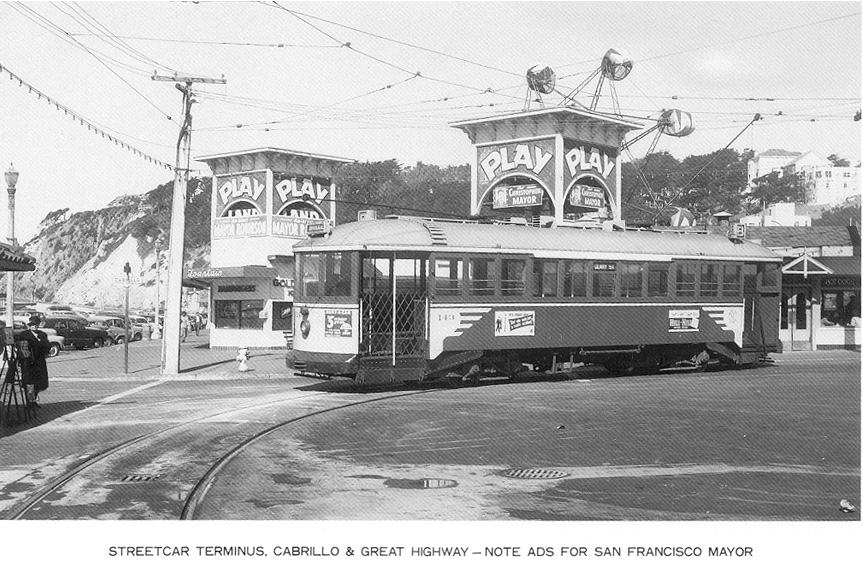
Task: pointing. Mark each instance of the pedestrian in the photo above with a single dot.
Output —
(184, 326)
(196, 324)
(33, 347)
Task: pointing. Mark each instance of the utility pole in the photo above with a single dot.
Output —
(173, 298)
(127, 270)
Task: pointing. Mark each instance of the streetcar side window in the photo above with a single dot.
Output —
(481, 276)
(630, 280)
(731, 280)
(575, 279)
(657, 280)
(512, 277)
(709, 279)
(448, 275)
(376, 275)
(685, 285)
(545, 278)
(604, 274)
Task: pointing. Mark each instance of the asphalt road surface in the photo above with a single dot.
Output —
(778, 442)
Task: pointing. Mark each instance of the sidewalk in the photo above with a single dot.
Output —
(197, 362)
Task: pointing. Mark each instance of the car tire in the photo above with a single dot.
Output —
(54, 349)
(119, 340)
(137, 337)
(98, 343)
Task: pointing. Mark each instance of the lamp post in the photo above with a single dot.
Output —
(11, 181)
(157, 334)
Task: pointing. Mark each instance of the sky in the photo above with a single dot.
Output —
(385, 80)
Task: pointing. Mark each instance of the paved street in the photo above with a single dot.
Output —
(779, 442)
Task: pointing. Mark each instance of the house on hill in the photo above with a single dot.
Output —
(820, 298)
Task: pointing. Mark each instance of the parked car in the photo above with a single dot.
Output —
(55, 340)
(76, 333)
(116, 326)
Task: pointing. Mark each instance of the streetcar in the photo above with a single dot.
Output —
(410, 299)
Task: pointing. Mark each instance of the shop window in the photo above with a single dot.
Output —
(630, 280)
(840, 307)
(657, 280)
(685, 285)
(603, 279)
(730, 280)
(512, 277)
(575, 279)
(238, 314)
(283, 316)
(709, 279)
(448, 276)
(480, 275)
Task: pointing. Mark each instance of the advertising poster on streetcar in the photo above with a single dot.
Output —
(681, 321)
(338, 323)
(514, 324)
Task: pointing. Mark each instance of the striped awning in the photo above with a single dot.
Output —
(13, 259)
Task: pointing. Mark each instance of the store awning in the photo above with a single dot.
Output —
(204, 277)
(12, 259)
(843, 266)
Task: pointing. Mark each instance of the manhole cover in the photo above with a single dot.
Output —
(425, 483)
(140, 477)
(535, 473)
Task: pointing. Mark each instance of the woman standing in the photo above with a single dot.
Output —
(33, 346)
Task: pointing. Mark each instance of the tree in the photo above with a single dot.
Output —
(839, 162)
(773, 188)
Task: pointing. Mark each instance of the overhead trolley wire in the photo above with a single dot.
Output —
(65, 35)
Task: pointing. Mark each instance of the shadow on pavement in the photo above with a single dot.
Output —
(47, 412)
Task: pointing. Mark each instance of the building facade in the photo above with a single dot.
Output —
(263, 202)
(820, 305)
(780, 214)
(825, 183)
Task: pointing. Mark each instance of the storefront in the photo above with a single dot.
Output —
(264, 201)
(821, 303)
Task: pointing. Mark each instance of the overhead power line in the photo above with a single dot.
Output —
(91, 126)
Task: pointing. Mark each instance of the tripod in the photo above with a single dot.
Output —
(13, 396)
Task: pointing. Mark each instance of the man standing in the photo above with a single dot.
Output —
(33, 346)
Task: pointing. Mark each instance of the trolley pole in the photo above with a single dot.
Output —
(170, 365)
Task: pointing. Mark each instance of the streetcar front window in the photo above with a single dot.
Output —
(325, 274)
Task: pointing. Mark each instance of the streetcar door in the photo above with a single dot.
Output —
(394, 306)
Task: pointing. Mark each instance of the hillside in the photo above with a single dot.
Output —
(80, 256)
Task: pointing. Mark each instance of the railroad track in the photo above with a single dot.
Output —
(143, 449)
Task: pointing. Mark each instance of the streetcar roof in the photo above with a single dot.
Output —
(422, 235)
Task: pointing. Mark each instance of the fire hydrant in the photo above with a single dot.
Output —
(243, 357)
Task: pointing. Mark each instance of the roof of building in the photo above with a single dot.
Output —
(417, 234)
(281, 151)
(805, 236)
(842, 266)
(777, 153)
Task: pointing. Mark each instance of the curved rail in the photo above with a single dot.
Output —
(199, 490)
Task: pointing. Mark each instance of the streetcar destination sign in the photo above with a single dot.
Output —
(509, 196)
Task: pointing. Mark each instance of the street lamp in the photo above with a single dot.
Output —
(158, 246)
(11, 181)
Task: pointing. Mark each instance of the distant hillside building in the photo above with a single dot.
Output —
(764, 163)
(780, 214)
(825, 183)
